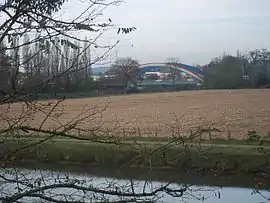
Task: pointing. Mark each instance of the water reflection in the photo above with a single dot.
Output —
(27, 180)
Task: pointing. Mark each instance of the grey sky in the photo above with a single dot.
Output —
(193, 30)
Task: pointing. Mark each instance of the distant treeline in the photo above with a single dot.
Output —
(53, 68)
(243, 71)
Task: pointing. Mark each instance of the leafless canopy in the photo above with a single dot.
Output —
(40, 50)
(171, 62)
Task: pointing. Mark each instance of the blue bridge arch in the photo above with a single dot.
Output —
(190, 70)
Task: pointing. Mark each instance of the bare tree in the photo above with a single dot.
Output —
(171, 63)
(86, 60)
(5, 71)
(28, 125)
(125, 71)
(258, 68)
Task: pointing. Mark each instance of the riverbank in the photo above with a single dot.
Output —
(160, 175)
(231, 159)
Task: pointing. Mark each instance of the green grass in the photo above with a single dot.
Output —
(265, 142)
(193, 156)
(215, 162)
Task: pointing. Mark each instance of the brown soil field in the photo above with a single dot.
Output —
(233, 112)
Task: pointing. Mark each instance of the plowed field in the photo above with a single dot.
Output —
(232, 112)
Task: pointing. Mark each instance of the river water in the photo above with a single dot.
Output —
(192, 194)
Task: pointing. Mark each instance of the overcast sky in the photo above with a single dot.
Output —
(193, 30)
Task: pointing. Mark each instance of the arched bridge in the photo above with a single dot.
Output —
(190, 70)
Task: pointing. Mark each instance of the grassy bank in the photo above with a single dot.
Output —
(219, 158)
(224, 163)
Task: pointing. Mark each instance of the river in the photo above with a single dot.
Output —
(192, 194)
